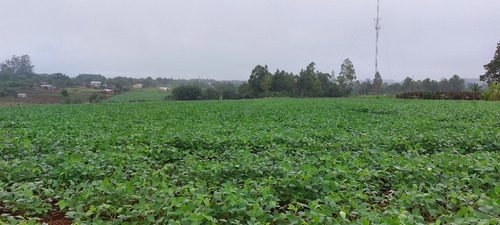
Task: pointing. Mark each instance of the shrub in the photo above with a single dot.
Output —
(428, 95)
(493, 92)
(463, 95)
(186, 92)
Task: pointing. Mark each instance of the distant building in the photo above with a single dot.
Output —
(21, 95)
(164, 89)
(47, 87)
(95, 84)
(107, 90)
(137, 86)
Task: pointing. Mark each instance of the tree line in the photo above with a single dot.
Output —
(308, 83)
(313, 83)
(18, 73)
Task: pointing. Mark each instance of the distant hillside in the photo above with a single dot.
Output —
(474, 80)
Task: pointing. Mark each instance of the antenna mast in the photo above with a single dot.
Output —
(377, 30)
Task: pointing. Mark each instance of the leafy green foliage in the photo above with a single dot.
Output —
(18, 64)
(277, 161)
(137, 96)
(492, 74)
(493, 92)
(186, 92)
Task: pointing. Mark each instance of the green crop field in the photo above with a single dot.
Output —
(138, 96)
(267, 161)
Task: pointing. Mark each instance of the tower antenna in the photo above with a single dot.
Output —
(377, 30)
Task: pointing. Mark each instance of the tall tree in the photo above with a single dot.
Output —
(306, 79)
(244, 90)
(444, 85)
(456, 83)
(279, 81)
(365, 87)
(324, 78)
(492, 74)
(265, 83)
(346, 76)
(407, 85)
(317, 89)
(258, 74)
(426, 84)
(377, 82)
(18, 64)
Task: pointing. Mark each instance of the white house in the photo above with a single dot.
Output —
(137, 86)
(21, 95)
(164, 89)
(47, 87)
(95, 84)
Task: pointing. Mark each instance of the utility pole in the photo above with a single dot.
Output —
(377, 30)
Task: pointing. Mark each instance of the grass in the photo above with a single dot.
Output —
(137, 96)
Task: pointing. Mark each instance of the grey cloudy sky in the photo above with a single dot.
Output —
(226, 39)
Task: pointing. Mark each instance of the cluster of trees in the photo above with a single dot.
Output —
(217, 90)
(308, 83)
(17, 73)
(455, 84)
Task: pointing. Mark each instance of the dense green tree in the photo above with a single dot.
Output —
(426, 84)
(60, 80)
(492, 74)
(186, 92)
(164, 81)
(365, 87)
(346, 77)
(265, 83)
(444, 85)
(456, 83)
(211, 94)
(227, 89)
(148, 82)
(394, 88)
(280, 81)
(121, 82)
(306, 80)
(256, 77)
(407, 85)
(334, 90)
(18, 64)
(244, 90)
(317, 89)
(377, 82)
(434, 86)
(325, 79)
(87, 78)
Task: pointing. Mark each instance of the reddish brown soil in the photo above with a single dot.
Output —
(58, 218)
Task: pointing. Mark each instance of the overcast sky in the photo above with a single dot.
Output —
(226, 39)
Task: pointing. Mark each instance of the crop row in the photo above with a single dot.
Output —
(280, 161)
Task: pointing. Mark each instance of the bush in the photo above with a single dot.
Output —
(463, 95)
(493, 92)
(186, 92)
(4, 92)
(211, 94)
(428, 95)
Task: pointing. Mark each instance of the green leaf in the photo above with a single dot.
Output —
(462, 212)
(62, 204)
(343, 215)
(151, 218)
